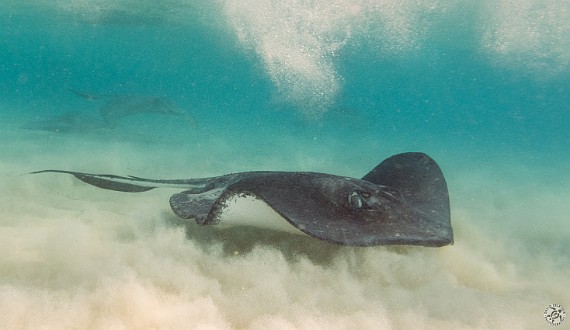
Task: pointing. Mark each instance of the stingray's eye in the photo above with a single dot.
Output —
(365, 194)
(354, 200)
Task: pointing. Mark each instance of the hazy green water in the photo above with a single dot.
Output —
(431, 82)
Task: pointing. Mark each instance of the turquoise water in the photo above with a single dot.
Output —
(325, 86)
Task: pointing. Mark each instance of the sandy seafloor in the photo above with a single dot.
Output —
(331, 87)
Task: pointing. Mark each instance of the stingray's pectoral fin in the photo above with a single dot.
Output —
(190, 120)
(109, 182)
(189, 205)
(422, 184)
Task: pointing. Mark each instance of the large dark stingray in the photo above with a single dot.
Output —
(403, 200)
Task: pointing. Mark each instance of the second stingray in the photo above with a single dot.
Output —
(117, 107)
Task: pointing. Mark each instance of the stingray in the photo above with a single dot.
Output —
(117, 107)
(402, 201)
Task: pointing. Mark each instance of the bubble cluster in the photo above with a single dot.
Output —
(298, 41)
(531, 34)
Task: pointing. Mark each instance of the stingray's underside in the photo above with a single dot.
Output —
(404, 200)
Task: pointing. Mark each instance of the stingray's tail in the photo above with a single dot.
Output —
(135, 184)
(111, 182)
